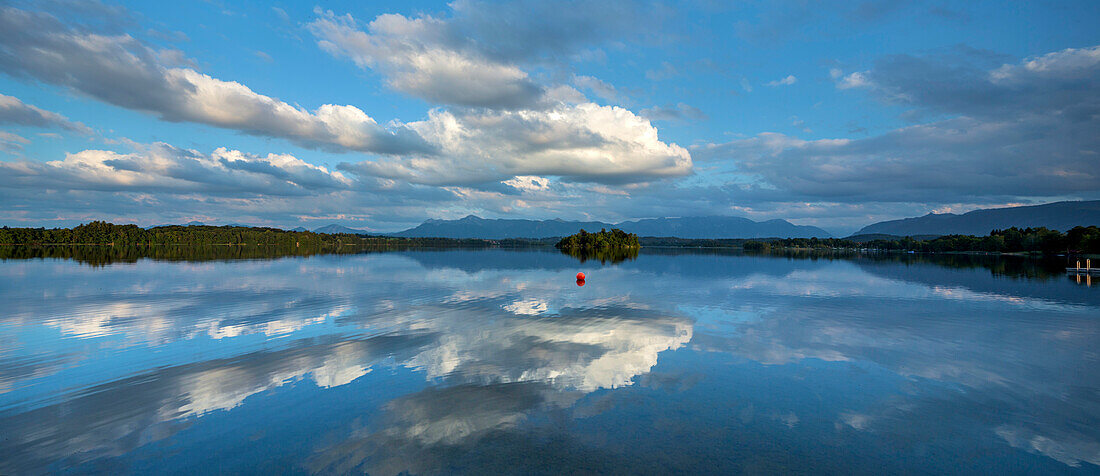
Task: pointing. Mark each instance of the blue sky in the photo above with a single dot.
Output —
(379, 116)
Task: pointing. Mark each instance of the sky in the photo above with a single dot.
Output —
(380, 115)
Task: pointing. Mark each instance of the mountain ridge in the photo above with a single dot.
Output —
(335, 229)
(1059, 216)
(472, 226)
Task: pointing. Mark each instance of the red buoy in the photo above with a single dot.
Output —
(580, 276)
(580, 282)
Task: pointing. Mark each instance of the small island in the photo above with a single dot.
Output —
(615, 245)
(602, 240)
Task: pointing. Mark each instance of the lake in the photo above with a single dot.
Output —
(496, 361)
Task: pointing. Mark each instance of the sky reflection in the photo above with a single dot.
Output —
(493, 360)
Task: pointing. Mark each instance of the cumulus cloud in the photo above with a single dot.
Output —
(582, 142)
(121, 70)
(528, 130)
(15, 111)
(509, 125)
(1024, 129)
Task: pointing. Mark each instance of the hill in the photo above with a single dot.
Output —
(689, 227)
(1059, 216)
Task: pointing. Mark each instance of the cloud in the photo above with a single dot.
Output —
(475, 55)
(1017, 130)
(423, 57)
(162, 168)
(679, 112)
(121, 70)
(666, 71)
(14, 111)
(282, 14)
(854, 80)
(582, 142)
(12, 142)
(600, 88)
(531, 30)
(789, 80)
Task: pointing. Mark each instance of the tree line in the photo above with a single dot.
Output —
(1080, 239)
(104, 233)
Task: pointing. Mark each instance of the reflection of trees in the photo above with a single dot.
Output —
(1000, 265)
(100, 255)
(614, 255)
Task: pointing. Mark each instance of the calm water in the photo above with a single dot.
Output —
(490, 361)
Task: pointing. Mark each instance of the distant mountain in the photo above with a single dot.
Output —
(194, 223)
(334, 228)
(690, 227)
(300, 228)
(880, 236)
(1056, 216)
(720, 227)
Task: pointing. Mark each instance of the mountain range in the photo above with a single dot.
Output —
(1056, 216)
(334, 228)
(688, 227)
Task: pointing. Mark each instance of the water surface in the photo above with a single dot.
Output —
(496, 361)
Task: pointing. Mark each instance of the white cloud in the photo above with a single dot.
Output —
(854, 80)
(789, 80)
(582, 142)
(1070, 63)
(529, 183)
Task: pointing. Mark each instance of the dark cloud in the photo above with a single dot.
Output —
(526, 30)
(1012, 131)
(473, 57)
(14, 111)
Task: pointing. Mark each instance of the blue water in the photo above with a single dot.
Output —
(496, 361)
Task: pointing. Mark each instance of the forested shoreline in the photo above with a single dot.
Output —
(103, 233)
(1079, 240)
(1083, 240)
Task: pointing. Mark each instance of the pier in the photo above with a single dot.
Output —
(1087, 270)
